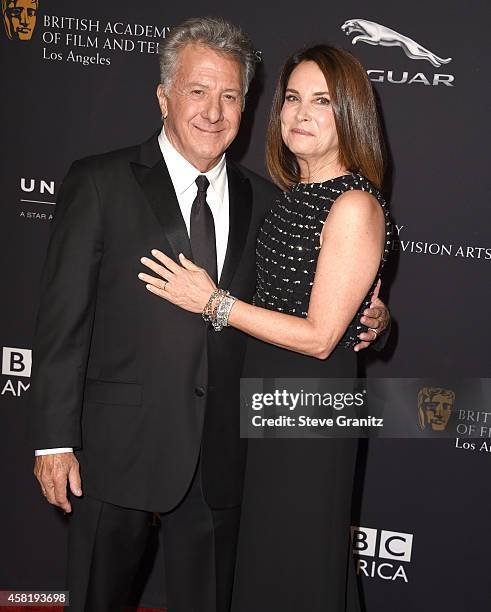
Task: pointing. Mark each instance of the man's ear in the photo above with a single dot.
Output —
(162, 98)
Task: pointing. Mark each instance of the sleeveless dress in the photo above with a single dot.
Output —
(294, 542)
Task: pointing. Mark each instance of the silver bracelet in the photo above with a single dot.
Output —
(208, 314)
(223, 311)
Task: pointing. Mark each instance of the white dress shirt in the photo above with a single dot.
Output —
(183, 176)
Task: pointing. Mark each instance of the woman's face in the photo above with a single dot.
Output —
(307, 119)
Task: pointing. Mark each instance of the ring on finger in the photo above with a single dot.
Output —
(374, 331)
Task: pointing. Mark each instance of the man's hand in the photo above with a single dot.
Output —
(376, 317)
(52, 472)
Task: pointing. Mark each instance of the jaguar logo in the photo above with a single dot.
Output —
(375, 34)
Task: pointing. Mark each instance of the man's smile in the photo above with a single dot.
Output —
(206, 131)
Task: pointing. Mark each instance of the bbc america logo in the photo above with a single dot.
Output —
(394, 547)
(16, 362)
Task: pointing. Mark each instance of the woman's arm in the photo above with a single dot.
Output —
(352, 244)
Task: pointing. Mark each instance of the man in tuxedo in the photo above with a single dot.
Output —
(135, 402)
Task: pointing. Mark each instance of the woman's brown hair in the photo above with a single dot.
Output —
(355, 115)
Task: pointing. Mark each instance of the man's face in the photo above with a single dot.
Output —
(21, 18)
(203, 107)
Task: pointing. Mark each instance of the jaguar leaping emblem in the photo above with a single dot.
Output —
(375, 34)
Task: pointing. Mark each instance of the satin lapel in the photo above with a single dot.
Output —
(151, 173)
(240, 206)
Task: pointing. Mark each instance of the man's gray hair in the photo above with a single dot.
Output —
(214, 33)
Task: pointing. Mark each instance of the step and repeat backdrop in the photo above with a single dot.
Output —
(79, 77)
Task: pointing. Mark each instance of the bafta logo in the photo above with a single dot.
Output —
(435, 407)
(19, 18)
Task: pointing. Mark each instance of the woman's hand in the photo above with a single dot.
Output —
(187, 285)
(376, 318)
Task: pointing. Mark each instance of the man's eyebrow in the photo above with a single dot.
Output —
(197, 84)
(203, 86)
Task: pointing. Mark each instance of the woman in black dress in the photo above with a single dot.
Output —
(320, 252)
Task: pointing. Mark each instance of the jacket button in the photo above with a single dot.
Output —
(199, 391)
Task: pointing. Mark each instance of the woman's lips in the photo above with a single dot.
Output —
(301, 132)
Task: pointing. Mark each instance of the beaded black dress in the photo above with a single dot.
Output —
(294, 549)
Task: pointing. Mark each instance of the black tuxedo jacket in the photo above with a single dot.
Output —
(138, 386)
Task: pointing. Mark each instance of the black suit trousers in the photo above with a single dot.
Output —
(107, 543)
